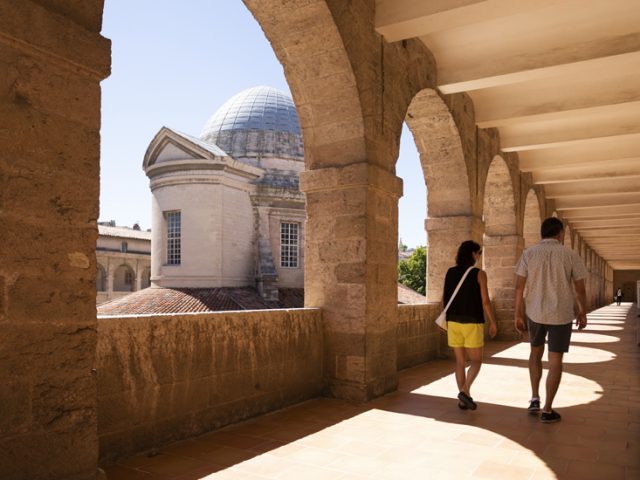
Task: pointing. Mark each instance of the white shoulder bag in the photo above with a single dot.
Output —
(441, 321)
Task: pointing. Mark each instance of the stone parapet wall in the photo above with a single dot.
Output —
(419, 339)
(170, 377)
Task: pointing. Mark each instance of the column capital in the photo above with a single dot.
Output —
(350, 176)
(470, 223)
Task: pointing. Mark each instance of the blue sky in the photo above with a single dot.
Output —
(174, 64)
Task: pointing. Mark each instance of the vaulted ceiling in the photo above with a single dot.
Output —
(560, 79)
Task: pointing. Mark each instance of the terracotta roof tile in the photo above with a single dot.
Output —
(158, 300)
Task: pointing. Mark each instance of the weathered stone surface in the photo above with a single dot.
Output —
(165, 378)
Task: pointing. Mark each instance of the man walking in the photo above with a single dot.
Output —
(549, 270)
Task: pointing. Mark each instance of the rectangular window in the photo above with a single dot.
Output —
(173, 237)
(289, 245)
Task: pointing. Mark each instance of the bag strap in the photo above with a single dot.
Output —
(458, 287)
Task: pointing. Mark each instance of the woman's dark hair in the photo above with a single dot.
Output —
(551, 227)
(464, 258)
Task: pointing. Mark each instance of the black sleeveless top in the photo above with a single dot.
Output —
(467, 305)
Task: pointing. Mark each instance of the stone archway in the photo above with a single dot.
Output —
(352, 193)
(532, 220)
(124, 279)
(502, 244)
(450, 220)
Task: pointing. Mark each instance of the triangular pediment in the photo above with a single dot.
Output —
(171, 146)
(171, 150)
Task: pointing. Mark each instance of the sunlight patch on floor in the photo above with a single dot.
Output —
(510, 386)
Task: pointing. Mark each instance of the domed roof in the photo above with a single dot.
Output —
(258, 122)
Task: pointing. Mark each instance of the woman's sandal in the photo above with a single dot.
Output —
(467, 400)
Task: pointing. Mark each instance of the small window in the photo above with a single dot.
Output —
(124, 247)
(289, 245)
(128, 277)
(173, 237)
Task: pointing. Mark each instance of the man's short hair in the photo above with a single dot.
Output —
(551, 227)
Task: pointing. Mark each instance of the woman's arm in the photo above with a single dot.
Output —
(486, 303)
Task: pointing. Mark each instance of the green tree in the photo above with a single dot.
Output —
(412, 272)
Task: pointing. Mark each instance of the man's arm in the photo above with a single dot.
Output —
(581, 298)
(520, 283)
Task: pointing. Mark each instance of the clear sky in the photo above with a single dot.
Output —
(174, 64)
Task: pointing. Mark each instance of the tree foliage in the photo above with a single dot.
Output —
(412, 272)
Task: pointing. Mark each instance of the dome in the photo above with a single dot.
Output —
(260, 122)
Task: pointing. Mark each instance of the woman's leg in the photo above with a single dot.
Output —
(461, 377)
(475, 355)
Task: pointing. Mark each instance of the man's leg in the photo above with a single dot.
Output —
(475, 356)
(535, 369)
(553, 378)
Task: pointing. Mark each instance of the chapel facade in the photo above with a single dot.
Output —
(226, 206)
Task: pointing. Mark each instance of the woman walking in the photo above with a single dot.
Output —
(466, 317)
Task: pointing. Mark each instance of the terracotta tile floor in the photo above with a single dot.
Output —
(418, 432)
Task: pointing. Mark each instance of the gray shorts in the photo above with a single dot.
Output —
(559, 335)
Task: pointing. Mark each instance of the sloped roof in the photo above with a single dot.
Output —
(123, 232)
(210, 147)
(407, 295)
(158, 300)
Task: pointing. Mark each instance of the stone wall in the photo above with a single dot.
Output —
(51, 61)
(419, 340)
(166, 378)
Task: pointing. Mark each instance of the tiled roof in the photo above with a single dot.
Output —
(158, 300)
(123, 232)
(407, 295)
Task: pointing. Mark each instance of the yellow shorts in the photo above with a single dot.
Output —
(468, 335)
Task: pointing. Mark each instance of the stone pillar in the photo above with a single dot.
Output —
(501, 254)
(110, 277)
(351, 273)
(52, 59)
(444, 236)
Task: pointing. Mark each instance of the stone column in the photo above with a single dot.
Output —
(52, 59)
(501, 253)
(110, 277)
(444, 236)
(351, 273)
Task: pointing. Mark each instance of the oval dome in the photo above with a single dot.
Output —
(256, 123)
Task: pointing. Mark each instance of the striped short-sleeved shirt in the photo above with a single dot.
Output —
(550, 270)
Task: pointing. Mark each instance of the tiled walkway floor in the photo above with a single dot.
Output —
(418, 431)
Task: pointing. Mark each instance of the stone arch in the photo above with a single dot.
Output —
(101, 278)
(445, 172)
(502, 244)
(124, 279)
(348, 180)
(499, 209)
(320, 76)
(145, 281)
(532, 219)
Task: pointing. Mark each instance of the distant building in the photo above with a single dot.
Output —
(124, 261)
(227, 214)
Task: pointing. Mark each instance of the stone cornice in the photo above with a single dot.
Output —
(27, 27)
